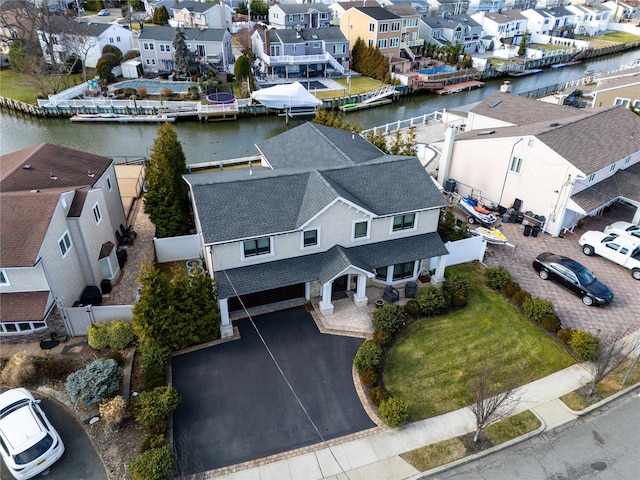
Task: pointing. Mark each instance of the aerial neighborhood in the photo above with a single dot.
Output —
(283, 286)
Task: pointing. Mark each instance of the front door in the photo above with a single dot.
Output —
(339, 288)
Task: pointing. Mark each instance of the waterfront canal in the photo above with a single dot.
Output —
(203, 142)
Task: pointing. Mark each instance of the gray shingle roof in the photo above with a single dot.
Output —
(505, 16)
(403, 10)
(194, 6)
(450, 21)
(167, 34)
(326, 265)
(624, 183)
(301, 8)
(328, 34)
(377, 13)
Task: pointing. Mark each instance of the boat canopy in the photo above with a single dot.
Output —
(285, 96)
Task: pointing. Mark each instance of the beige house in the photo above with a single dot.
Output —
(377, 26)
(622, 89)
(560, 162)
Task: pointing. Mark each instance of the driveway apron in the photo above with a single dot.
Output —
(237, 406)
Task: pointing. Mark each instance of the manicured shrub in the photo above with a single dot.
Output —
(509, 289)
(497, 277)
(152, 354)
(112, 412)
(93, 383)
(584, 345)
(382, 338)
(98, 335)
(565, 334)
(378, 394)
(20, 370)
(369, 378)
(431, 300)
(390, 318)
(393, 411)
(120, 334)
(156, 404)
(117, 356)
(519, 297)
(369, 357)
(412, 308)
(154, 464)
(537, 308)
(551, 323)
(153, 441)
(156, 427)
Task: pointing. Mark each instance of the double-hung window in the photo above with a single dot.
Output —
(516, 165)
(310, 238)
(65, 244)
(404, 222)
(360, 229)
(260, 246)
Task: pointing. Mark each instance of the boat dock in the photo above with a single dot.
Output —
(111, 118)
(352, 107)
(459, 87)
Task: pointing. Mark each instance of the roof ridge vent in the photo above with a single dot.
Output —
(27, 167)
(52, 176)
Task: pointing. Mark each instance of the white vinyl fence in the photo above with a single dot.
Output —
(463, 251)
(174, 249)
(77, 319)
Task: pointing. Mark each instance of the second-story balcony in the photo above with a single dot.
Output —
(278, 60)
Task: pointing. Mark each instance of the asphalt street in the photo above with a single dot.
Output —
(602, 445)
(79, 461)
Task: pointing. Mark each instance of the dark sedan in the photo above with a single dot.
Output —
(573, 276)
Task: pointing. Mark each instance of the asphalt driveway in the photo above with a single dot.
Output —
(236, 406)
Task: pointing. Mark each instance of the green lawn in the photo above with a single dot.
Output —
(358, 85)
(433, 360)
(18, 86)
(621, 37)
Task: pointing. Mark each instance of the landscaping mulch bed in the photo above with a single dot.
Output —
(483, 443)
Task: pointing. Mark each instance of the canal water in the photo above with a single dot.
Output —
(203, 142)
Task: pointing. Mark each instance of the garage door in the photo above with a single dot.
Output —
(267, 297)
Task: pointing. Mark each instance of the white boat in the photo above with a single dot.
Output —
(476, 213)
(491, 235)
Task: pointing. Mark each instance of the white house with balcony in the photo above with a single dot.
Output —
(190, 14)
(451, 30)
(326, 213)
(505, 28)
(553, 22)
(590, 20)
(303, 15)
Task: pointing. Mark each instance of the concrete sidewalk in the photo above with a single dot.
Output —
(376, 457)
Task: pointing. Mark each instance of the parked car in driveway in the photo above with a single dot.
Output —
(617, 248)
(104, 13)
(29, 444)
(624, 229)
(573, 276)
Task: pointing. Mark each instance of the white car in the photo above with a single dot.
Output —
(104, 13)
(28, 442)
(625, 229)
(618, 249)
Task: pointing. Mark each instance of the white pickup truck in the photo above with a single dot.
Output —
(618, 249)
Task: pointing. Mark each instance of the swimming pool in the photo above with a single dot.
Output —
(438, 69)
(153, 86)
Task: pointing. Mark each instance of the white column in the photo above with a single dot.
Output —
(360, 298)
(226, 328)
(326, 307)
(440, 266)
(307, 291)
(348, 282)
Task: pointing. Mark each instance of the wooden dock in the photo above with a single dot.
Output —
(459, 87)
(107, 118)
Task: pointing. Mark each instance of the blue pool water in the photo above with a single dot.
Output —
(439, 69)
(154, 86)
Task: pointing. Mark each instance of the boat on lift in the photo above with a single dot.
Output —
(490, 235)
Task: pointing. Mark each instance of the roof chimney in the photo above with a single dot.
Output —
(52, 176)
(90, 174)
(506, 87)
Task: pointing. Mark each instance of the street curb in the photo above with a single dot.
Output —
(601, 403)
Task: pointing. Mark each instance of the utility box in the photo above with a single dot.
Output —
(450, 185)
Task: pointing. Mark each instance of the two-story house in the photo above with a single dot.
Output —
(555, 22)
(451, 30)
(59, 211)
(410, 41)
(376, 26)
(590, 20)
(504, 28)
(617, 88)
(338, 8)
(301, 51)
(476, 6)
(448, 7)
(327, 212)
(303, 15)
(623, 10)
(190, 14)
(211, 46)
(563, 163)
(64, 37)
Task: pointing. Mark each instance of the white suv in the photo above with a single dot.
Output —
(625, 229)
(28, 442)
(618, 249)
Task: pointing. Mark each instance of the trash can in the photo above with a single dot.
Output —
(527, 230)
(105, 286)
(505, 218)
(535, 231)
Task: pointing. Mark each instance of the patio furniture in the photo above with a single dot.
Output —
(391, 295)
(410, 290)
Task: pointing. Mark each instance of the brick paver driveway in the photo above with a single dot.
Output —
(621, 315)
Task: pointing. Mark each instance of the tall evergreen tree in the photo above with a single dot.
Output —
(522, 48)
(151, 317)
(183, 59)
(166, 200)
(161, 16)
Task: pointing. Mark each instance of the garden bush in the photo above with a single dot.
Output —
(156, 404)
(153, 441)
(369, 357)
(54, 367)
(393, 411)
(369, 378)
(519, 297)
(120, 334)
(455, 290)
(93, 383)
(584, 345)
(565, 334)
(412, 308)
(497, 277)
(378, 394)
(551, 323)
(98, 335)
(112, 412)
(431, 300)
(509, 289)
(152, 354)
(20, 370)
(142, 92)
(382, 338)
(154, 464)
(117, 356)
(166, 92)
(390, 318)
(537, 308)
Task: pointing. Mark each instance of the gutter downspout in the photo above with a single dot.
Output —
(506, 172)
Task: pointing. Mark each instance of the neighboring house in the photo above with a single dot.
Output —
(211, 45)
(86, 40)
(504, 28)
(590, 20)
(617, 88)
(563, 163)
(59, 211)
(441, 8)
(302, 15)
(410, 41)
(623, 10)
(190, 14)
(339, 8)
(476, 6)
(555, 22)
(301, 51)
(548, 4)
(451, 30)
(150, 6)
(520, 5)
(329, 214)
(420, 6)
